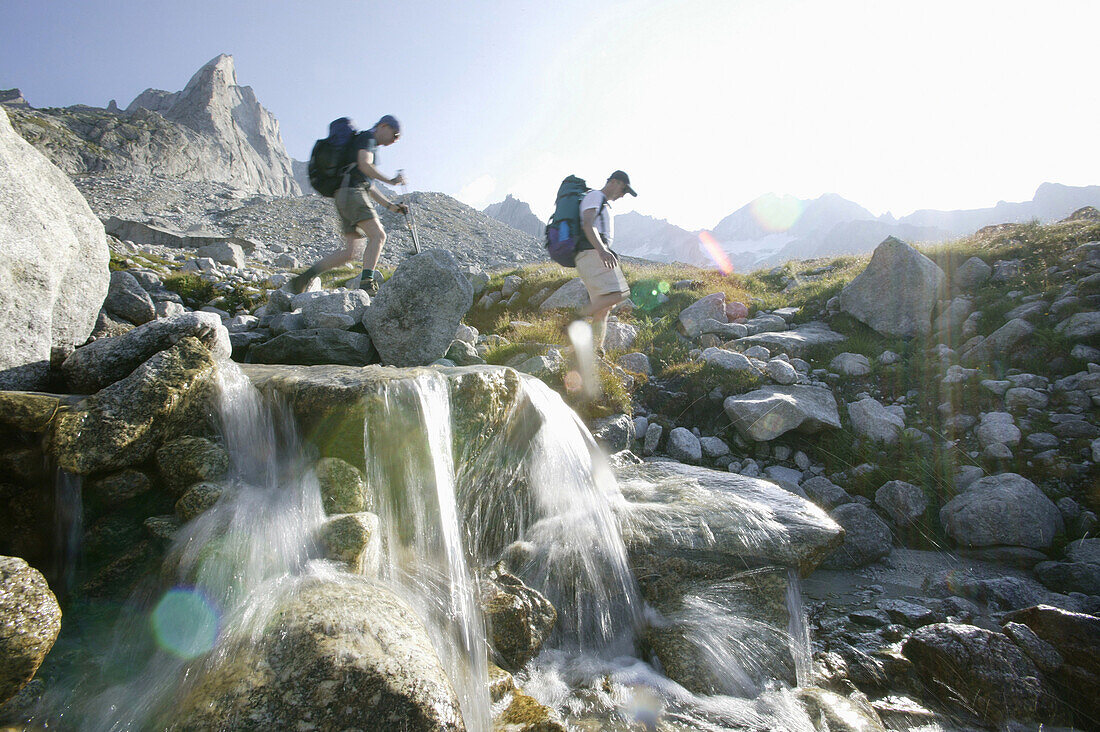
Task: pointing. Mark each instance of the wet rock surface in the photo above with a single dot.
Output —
(30, 620)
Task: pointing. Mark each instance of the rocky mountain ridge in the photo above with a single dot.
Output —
(518, 215)
(212, 130)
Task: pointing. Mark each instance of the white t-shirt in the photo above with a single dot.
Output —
(604, 222)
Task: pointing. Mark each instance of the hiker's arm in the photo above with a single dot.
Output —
(395, 207)
(366, 167)
(588, 226)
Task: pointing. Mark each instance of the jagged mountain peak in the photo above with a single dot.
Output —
(517, 214)
(219, 70)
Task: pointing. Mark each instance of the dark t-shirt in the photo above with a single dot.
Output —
(363, 141)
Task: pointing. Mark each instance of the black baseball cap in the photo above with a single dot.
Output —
(390, 120)
(620, 175)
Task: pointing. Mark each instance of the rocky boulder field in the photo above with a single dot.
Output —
(909, 444)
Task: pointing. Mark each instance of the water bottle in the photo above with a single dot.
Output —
(563, 231)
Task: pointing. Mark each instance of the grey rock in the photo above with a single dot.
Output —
(316, 346)
(1042, 654)
(1005, 270)
(1041, 441)
(636, 362)
(1080, 325)
(462, 353)
(950, 320)
(197, 499)
(978, 669)
(723, 330)
(348, 303)
(850, 364)
(907, 613)
(413, 319)
(224, 252)
(30, 620)
(1083, 550)
(1076, 638)
(683, 445)
(914, 282)
(105, 361)
(693, 516)
(128, 300)
(1025, 398)
(619, 336)
(1005, 509)
(728, 360)
(53, 265)
(711, 307)
(998, 427)
(971, 273)
(999, 343)
(771, 411)
(343, 489)
(713, 447)
(355, 540)
(825, 493)
(866, 537)
(519, 618)
(872, 420)
(616, 432)
(904, 502)
(343, 655)
(189, 459)
(652, 438)
(573, 295)
(781, 372)
(1066, 577)
(466, 334)
(796, 341)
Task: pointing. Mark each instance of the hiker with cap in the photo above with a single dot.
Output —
(358, 219)
(597, 265)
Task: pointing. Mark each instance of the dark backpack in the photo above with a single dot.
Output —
(563, 233)
(328, 163)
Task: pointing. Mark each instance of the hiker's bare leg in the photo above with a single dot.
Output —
(376, 239)
(353, 244)
(598, 310)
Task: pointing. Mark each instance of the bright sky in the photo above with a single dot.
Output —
(705, 103)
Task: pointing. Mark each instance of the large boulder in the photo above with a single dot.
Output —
(999, 343)
(711, 307)
(53, 264)
(872, 420)
(980, 671)
(30, 620)
(697, 519)
(125, 423)
(519, 619)
(337, 309)
(316, 346)
(413, 319)
(128, 300)
(796, 341)
(573, 295)
(771, 411)
(914, 283)
(1006, 509)
(347, 654)
(1076, 638)
(867, 538)
(103, 362)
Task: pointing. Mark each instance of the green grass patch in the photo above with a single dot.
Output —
(194, 290)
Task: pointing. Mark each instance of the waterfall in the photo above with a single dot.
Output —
(68, 519)
(230, 565)
(411, 476)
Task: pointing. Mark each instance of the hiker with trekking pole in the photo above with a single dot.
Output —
(342, 167)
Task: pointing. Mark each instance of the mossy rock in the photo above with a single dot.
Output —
(189, 460)
(342, 487)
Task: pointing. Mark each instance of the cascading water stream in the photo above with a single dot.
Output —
(411, 476)
(231, 565)
(68, 512)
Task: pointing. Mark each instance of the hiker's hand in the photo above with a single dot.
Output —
(398, 179)
(609, 258)
(400, 208)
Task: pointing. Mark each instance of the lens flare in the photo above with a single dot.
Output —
(184, 623)
(715, 252)
(776, 213)
(648, 294)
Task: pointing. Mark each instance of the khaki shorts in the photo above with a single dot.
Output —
(597, 278)
(353, 203)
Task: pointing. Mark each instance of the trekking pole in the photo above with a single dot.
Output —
(409, 211)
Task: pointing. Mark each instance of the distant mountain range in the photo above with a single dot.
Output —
(518, 215)
(774, 229)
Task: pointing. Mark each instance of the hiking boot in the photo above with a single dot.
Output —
(369, 286)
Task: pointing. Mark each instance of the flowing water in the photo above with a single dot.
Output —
(535, 490)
